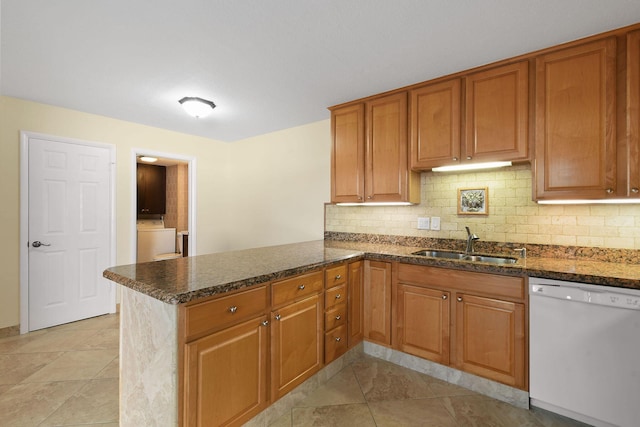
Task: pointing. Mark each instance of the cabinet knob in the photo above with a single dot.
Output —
(265, 323)
(455, 159)
(459, 299)
(369, 197)
(277, 317)
(359, 197)
(301, 287)
(338, 277)
(338, 339)
(609, 190)
(635, 190)
(338, 296)
(468, 157)
(444, 297)
(233, 309)
(338, 317)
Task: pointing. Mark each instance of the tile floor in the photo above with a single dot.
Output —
(68, 376)
(373, 392)
(61, 376)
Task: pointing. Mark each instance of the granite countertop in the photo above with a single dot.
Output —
(181, 280)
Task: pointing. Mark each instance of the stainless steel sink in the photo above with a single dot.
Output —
(464, 257)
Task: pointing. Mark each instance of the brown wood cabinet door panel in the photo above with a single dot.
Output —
(297, 344)
(490, 338)
(377, 300)
(356, 302)
(347, 157)
(334, 296)
(497, 114)
(337, 316)
(335, 276)
(423, 322)
(335, 343)
(575, 122)
(226, 375)
(633, 114)
(386, 149)
(435, 125)
(151, 189)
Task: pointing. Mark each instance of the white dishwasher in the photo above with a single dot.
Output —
(584, 351)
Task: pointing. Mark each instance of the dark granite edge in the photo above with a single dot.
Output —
(629, 256)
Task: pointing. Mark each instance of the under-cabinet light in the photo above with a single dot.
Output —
(589, 202)
(376, 204)
(471, 166)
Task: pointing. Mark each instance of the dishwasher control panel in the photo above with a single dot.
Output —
(582, 292)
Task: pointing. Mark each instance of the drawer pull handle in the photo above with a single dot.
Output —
(338, 296)
(233, 309)
(459, 299)
(338, 339)
(609, 190)
(338, 317)
(301, 287)
(444, 297)
(265, 323)
(278, 317)
(338, 277)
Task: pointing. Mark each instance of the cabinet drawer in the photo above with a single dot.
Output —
(335, 276)
(335, 343)
(337, 316)
(494, 285)
(334, 296)
(290, 290)
(225, 311)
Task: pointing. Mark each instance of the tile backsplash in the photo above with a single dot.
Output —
(512, 215)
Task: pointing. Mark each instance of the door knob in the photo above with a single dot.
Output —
(38, 243)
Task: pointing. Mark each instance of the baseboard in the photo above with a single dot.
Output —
(10, 331)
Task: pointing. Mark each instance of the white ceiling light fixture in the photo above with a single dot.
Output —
(471, 166)
(148, 159)
(197, 107)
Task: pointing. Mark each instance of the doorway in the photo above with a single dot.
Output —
(67, 230)
(177, 167)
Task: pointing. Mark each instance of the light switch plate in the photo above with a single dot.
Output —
(423, 223)
(435, 223)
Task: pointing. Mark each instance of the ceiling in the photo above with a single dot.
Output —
(268, 65)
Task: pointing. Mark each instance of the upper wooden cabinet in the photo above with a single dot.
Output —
(435, 125)
(495, 112)
(151, 189)
(632, 152)
(576, 122)
(369, 153)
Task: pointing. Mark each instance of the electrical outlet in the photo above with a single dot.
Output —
(435, 223)
(423, 223)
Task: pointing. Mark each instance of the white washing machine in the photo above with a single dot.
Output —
(155, 240)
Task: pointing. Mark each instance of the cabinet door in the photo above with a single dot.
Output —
(576, 122)
(297, 344)
(151, 189)
(497, 114)
(435, 125)
(356, 303)
(386, 175)
(377, 300)
(633, 114)
(347, 154)
(226, 375)
(490, 339)
(423, 322)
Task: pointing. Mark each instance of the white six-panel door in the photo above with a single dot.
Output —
(69, 231)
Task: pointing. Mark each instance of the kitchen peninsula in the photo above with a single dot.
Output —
(155, 295)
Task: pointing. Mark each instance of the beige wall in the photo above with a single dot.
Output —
(261, 191)
(513, 216)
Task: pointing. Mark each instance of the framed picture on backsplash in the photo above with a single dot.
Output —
(473, 201)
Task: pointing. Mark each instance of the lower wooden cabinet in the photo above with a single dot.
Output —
(475, 322)
(377, 300)
(490, 338)
(226, 375)
(355, 304)
(422, 322)
(297, 344)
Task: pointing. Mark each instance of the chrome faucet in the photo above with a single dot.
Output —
(470, 239)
